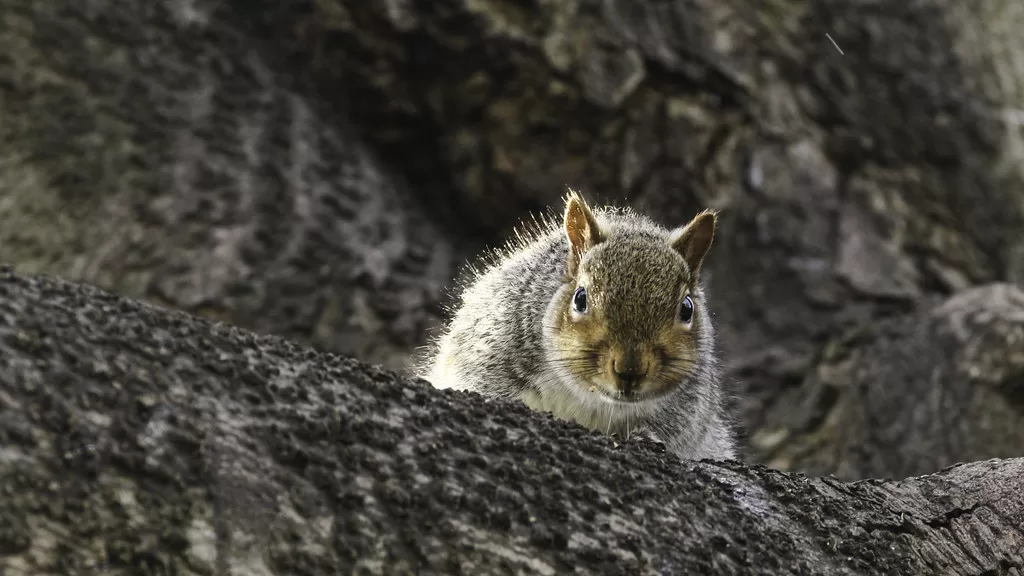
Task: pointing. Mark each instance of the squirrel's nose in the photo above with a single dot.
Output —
(627, 377)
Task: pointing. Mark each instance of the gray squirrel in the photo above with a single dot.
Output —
(599, 319)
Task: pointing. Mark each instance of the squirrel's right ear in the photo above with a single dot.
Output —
(693, 240)
(581, 228)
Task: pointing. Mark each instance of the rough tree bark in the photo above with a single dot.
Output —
(151, 151)
(138, 440)
(209, 155)
(940, 386)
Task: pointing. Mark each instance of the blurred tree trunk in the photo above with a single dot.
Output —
(149, 149)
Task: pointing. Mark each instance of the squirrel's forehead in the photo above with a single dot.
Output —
(642, 253)
(649, 265)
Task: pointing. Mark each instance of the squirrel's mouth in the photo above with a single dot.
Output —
(636, 396)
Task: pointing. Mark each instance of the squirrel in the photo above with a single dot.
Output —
(599, 319)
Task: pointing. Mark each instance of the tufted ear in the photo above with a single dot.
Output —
(581, 228)
(693, 240)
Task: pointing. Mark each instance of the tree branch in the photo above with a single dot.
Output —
(135, 439)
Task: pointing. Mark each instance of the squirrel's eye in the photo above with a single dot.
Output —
(686, 310)
(579, 300)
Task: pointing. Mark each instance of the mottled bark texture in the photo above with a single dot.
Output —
(138, 440)
(210, 155)
(150, 150)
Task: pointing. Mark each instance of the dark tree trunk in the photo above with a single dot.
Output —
(136, 440)
(150, 150)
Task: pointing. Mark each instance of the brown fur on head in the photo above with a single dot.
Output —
(626, 336)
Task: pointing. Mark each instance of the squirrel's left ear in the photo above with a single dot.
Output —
(693, 240)
(581, 228)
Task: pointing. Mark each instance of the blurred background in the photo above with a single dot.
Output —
(321, 169)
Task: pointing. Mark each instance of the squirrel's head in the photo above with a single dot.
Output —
(629, 323)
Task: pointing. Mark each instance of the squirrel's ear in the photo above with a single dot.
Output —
(581, 228)
(693, 240)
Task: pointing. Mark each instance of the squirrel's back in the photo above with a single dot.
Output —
(581, 317)
(496, 314)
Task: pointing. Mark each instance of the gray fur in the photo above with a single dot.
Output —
(496, 342)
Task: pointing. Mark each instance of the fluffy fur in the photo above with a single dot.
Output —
(515, 333)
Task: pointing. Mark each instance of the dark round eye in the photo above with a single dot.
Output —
(686, 310)
(579, 300)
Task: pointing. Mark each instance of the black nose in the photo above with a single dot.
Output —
(628, 377)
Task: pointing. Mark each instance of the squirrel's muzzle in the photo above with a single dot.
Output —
(628, 370)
